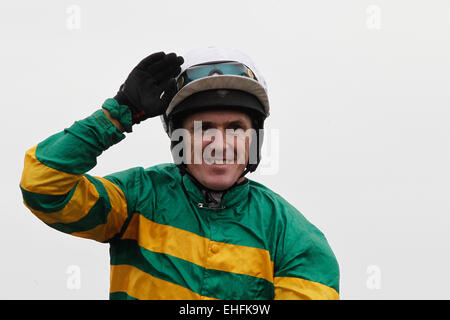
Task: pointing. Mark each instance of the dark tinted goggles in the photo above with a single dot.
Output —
(214, 69)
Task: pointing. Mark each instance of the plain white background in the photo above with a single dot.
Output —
(359, 93)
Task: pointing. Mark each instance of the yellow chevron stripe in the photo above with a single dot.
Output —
(194, 248)
(141, 285)
(116, 217)
(38, 178)
(83, 199)
(290, 288)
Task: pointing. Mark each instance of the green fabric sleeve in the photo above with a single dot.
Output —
(119, 112)
(75, 150)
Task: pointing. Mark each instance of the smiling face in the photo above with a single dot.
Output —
(219, 144)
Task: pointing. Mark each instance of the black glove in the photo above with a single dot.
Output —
(144, 86)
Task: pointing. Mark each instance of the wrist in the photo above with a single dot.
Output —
(119, 115)
(114, 121)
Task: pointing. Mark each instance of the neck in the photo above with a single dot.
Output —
(213, 198)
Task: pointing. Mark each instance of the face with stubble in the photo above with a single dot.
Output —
(218, 141)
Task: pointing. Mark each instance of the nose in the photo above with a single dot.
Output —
(221, 144)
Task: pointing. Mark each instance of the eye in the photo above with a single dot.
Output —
(206, 127)
(236, 132)
(202, 128)
(235, 127)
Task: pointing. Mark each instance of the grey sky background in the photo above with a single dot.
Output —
(359, 94)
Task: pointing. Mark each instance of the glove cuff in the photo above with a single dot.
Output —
(119, 112)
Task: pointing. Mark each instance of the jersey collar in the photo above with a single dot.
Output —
(236, 196)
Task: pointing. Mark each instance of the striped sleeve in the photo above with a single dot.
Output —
(306, 267)
(57, 189)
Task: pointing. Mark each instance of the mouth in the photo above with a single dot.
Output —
(215, 161)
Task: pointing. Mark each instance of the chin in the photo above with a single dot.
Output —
(217, 181)
(217, 177)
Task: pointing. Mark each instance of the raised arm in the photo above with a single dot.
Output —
(55, 184)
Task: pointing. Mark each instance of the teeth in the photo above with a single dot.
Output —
(224, 161)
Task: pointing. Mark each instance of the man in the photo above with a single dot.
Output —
(190, 229)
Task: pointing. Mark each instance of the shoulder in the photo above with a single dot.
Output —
(277, 206)
(140, 177)
(162, 168)
(286, 220)
(162, 174)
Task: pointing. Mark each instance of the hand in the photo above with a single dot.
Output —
(142, 91)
